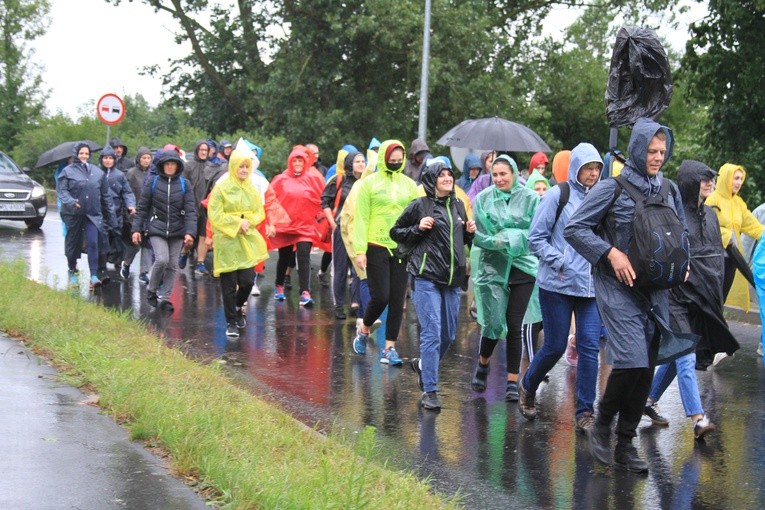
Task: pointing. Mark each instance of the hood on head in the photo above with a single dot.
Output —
(689, 177)
(581, 155)
(538, 159)
(254, 148)
(300, 151)
(196, 149)
(166, 156)
(142, 151)
(724, 185)
(433, 168)
(244, 148)
(513, 165)
(341, 155)
(484, 156)
(418, 145)
(225, 143)
(642, 133)
(472, 160)
(535, 177)
(348, 162)
(386, 148)
(107, 151)
(116, 142)
(239, 156)
(374, 143)
(560, 165)
(76, 150)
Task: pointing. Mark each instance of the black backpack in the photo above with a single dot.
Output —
(660, 249)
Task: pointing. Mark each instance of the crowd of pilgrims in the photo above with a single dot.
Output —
(391, 221)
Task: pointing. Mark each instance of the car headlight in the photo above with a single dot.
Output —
(38, 191)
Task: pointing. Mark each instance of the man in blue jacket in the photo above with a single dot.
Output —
(565, 286)
(632, 345)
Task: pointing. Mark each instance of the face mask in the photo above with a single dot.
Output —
(394, 167)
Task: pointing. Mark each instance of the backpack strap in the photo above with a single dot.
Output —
(565, 193)
(338, 192)
(154, 184)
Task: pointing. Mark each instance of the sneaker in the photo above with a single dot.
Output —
(324, 278)
(241, 320)
(702, 427)
(360, 342)
(721, 357)
(359, 323)
(652, 411)
(473, 310)
(232, 330)
(511, 392)
(415, 364)
(124, 270)
(255, 289)
(95, 281)
(390, 357)
(183, 258)
(526, 402)
(479, 378)
(143, 278)
(201, 269)
(152, 298)
(340, 313)
(279, 293)
(599, 438)
(572, 357)
(355, 311)
(166, 306)
(287, 282)
(626, 457)
(430, 401)
(585, 422)
(305, 299)
(74, 278)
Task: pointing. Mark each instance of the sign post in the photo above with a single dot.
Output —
(111, 110)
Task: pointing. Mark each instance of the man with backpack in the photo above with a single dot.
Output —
(604, 231)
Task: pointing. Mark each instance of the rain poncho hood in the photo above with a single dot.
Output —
(535, 177)
(116, 142)
(735, 218)
(560, 166)
(500, 243)
(471, 161)
(231, 202)
(382, 196)
(76, 150)
(374, 143)
(107, 151)
(536, 160)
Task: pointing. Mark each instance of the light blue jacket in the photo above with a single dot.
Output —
(561, 268)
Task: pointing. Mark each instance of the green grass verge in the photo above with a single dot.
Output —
(253, 454)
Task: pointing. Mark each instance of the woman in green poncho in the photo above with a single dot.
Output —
(504, 268)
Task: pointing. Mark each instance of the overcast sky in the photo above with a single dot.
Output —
(116, 42)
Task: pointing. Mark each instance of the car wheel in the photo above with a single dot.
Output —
(35, 224)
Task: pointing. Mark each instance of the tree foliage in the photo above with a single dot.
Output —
(21, 92)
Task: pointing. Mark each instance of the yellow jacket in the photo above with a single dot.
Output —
(734, 218)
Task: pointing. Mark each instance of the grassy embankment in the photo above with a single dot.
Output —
(251, 454)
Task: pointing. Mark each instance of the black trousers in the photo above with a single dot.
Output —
(303, 255)
(387, 279)
(235, 288)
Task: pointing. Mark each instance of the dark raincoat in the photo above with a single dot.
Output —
(624, 310)
(411, 168)
(697, 305)
(122, 194)
(85, 184)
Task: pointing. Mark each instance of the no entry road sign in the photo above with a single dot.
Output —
(110, 109)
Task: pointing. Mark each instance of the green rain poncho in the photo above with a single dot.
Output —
(500, 243)
(231, 202)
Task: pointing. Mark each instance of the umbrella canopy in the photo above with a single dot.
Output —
(494, 134)
(63, 151)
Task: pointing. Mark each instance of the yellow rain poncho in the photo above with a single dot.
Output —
(231, 202)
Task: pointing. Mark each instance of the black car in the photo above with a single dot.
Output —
(21, 198)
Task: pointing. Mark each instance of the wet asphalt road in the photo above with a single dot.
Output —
(478, 446)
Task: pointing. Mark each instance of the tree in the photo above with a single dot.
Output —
(21, 95)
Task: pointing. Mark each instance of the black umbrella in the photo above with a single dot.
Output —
(494, 133)
(63, 151)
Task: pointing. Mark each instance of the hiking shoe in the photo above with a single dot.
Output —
(702, 427)
(287, 282)
(585, 422)
(143, 278)
(479, 378)
(166, 306)
(340, 313)
(511, 391)
(152, 298)
(232, 330)
(241, 320)
(324, 277)
(124, 270)
(390, 357)
(430, 401)
(74, 278)
(255, 289)
(526, 402)
(599, 438)
(721, 357)
(652, 411)
(415, 364)
(279, 293)
(95, 281)
(626, 457)
(306, 299)
(183, 258)
(201, 269)
(360, 342)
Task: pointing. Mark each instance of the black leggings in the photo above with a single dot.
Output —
(387, 278)
(235, 288)
(303, 255)
(521, 286)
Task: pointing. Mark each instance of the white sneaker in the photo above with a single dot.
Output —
(720, 357)
(255, 290)
(359, 323)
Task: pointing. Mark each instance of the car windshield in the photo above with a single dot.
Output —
(7, 166)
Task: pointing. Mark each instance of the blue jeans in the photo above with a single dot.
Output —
(684, 368)
(556, 319)
(437, 308)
